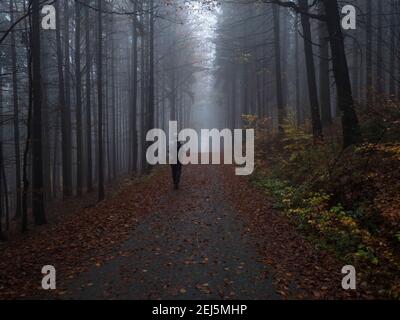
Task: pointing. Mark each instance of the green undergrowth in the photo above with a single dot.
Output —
(343, 201)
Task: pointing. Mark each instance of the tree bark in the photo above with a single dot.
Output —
(151, 68)
(25, 190)
(89, 172)
(78, 97)
(66, 131)
(2, 237)
(114, 103)
(134, 144)
(368, 31)
(38, 207)
(312, 83)
(299, 113)
(18, 198)
(350, 125)
(380, 80)
(278, 69)
(100, 103)
(392, 79)
(324, 77)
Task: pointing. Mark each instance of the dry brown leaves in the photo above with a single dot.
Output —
(297, 263)
(82, 240)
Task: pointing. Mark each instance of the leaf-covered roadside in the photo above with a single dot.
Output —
(344, 201)
(301, 271)
(79, 242)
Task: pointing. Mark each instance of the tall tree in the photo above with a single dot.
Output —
(133, 120)
(278, 69)
(151, 108)
(143, 89)
(88, 84)
(100, 155)
(297, 74)
(38, 207)
(324, 79)
(113, 144)
(356, 63)
(66, 130)
(380, 80)
(392, 59)
(61, 103)
(398, 55)
(18, 199)
(78, 97)
(2, 237)
(350, 125)
(25, 174)
(368, 63)
(310, 67)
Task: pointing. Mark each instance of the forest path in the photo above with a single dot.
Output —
(195, 247)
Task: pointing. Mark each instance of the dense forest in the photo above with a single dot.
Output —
(320, 87)
(77, 101)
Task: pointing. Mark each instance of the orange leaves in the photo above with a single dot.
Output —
(294, 260)
(78, 241)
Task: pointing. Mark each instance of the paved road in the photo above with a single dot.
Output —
(195, 247)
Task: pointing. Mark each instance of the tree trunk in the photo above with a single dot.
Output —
(398, 55)
(78, 97)
(100, 103)
(392, 79)
(299, 116)
(38, 207)
(61, 104)
(380, 80)
(324, 77)
(134, 93)
(113, 104)
(2, 237)
(24, 220)
(151, 68)
(350, 126)
(150, 111)
(18, 199)
(356, 64)
(368, 30)
(278, 69)
(143, 96)
(312, 83)
(66, 107)
(89, 172)
(284, 60)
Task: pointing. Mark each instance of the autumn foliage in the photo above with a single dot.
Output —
(346, 201)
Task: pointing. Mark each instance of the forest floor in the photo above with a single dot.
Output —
(215, 238)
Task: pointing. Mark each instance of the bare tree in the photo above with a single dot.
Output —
(100, 155)
(350, 125)
(38, 207)
(278, 69)
(18, 186)
(78, 97)
(312, 82)
(368, 49)
(66, 107)
(88, 84)
(324, 78)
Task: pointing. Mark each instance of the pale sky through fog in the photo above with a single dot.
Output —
(205, 111)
